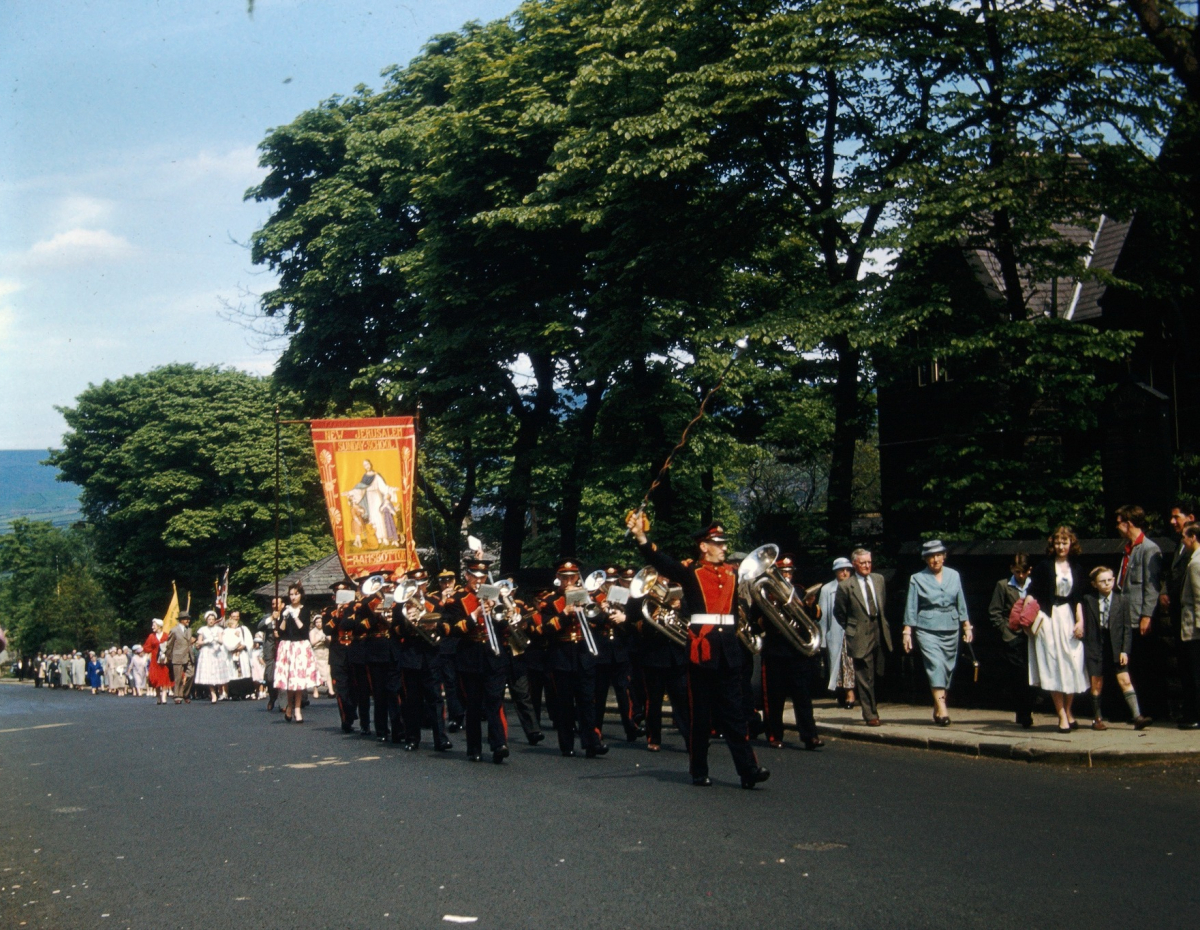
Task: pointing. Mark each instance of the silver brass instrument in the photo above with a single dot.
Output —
(657, 597)
(509, 612)
(593, 611)
(761, 583)
(412, 608)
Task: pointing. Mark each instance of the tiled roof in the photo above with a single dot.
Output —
(1073, 298)
(316, 578)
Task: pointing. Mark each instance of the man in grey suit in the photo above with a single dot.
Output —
(1139, 580)
(179, 655)
(858, 608)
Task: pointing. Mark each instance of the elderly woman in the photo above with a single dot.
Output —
(1056, 659)
(138, 668)
(935, 611)
(95, 672)
(212, 661)
(238, 643)
(841, 665)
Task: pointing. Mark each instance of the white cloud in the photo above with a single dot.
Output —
(79, 210)
(238, 164)
(8, 316)
(79, 246)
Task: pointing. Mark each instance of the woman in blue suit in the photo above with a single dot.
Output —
(935, 611)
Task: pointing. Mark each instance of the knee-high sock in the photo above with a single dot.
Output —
(1132, 701)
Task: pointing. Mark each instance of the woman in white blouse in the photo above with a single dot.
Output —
(212, 661)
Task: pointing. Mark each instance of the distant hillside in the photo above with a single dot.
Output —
(29, 489)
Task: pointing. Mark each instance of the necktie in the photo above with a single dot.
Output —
(1104, 613)
(872, 609)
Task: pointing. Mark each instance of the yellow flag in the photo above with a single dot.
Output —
(171, 617)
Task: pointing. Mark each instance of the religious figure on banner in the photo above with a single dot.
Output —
(373, 507)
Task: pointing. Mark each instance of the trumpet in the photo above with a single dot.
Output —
(658, 596)
(761, 584)
(412, 612)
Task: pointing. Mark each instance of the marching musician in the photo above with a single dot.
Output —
(339, 658)
(381, 675)
(612, 661)
(518, 635)
(356, 621)
(421, 666)
(664, 669)
(448, 588)
(633, 645)
(572, 661)
(786, 672)
(482, 664)
(715, 656)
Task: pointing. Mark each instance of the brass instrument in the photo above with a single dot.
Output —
(509, 613)
(760, 583)
(657, 597)
(412, 611)
(593, 611)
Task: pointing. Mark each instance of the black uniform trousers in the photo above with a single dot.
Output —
(672, 681)
(794, 676)
(1189, 674)
(447, 663)
(573, 671)
(716, 696)
(518, 688)
(385, 687)
(422, 695)
(540, 684)
(482, 677)
(615, 675)
(339, 671)
(360, 691)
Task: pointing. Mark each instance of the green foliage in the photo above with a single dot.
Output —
(50, 599)
(177, 468)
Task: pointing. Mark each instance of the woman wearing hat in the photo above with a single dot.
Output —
(841, 665)
(935, 611)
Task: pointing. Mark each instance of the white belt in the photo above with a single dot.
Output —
(713, 620)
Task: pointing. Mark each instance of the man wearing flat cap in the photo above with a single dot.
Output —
(715, 656)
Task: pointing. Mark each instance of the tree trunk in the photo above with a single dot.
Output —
(572, 491)
(532, 420)
(450, 544)
(847, 426)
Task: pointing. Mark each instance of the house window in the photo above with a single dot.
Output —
(930, 372)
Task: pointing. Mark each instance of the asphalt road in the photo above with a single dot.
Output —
(118, 813)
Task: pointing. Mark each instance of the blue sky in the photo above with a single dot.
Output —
(128, 135)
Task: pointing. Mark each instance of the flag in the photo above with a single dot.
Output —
(171, 617)
(367, 469)
(222, 588)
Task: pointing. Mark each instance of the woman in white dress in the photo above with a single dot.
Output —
(258, 667)
(238, 643)
(320, 647)
(1058, 584)
(212, 661)
(295, 667)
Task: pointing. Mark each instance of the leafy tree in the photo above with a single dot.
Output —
(177, 470)
(50, 598)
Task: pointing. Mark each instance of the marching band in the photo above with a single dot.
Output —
(443, 660)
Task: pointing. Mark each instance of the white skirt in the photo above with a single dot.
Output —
(1056, 659)
(212, 665)
(295, 666)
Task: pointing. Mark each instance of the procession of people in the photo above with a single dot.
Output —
(726, 642)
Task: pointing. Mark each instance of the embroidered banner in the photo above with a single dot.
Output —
(367, 469)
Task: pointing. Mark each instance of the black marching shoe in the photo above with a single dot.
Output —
(815, 743)
(474, 758)
(453, 726)
(701, 781)
(347, 728)
(410, 746)
(535, 738)
(1188, 725)
(443, 747)
(595, 751)
(755, 777)
(568, 753)
(500, 755)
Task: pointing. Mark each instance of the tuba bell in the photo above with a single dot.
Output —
(509, 612)
(657, 596)
(760, 582)
(412, 611)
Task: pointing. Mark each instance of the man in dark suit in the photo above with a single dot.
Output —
(1107, 641)
(858, 608)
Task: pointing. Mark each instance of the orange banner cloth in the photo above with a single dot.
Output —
(367, 468)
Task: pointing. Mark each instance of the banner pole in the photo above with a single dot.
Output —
(276, 506)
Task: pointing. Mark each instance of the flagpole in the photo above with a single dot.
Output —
(276, 506)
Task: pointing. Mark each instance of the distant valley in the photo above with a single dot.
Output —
(29, 489)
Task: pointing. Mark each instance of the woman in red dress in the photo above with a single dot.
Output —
(159, 677)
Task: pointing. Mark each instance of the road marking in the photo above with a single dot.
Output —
(455, 919)
(40, 726)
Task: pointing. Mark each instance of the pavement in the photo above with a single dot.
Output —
(995, 734)
(118, 813)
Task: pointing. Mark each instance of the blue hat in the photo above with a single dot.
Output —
(933, 547)
(842, 562)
